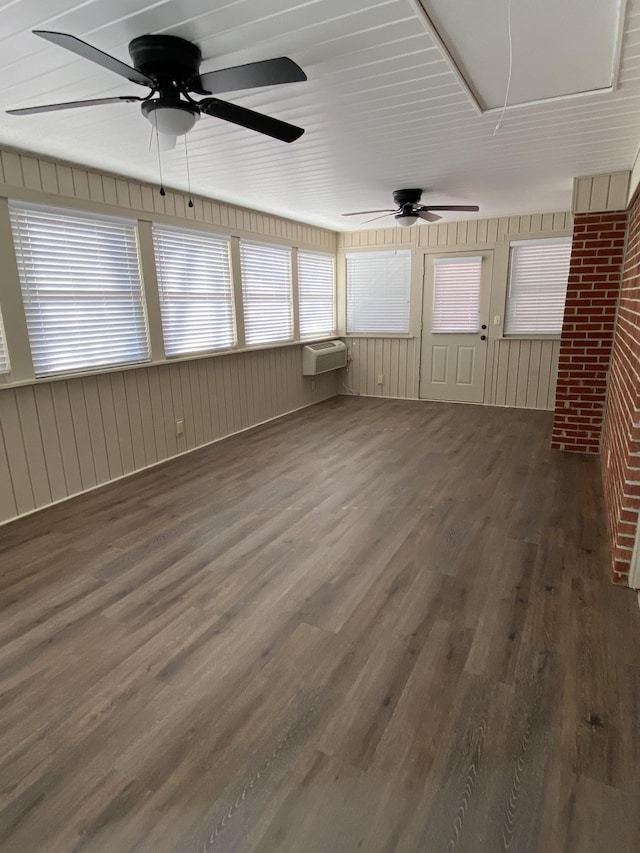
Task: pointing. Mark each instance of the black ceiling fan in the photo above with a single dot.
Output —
(409, 209)
(170, 67)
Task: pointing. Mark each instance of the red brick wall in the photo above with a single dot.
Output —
(588, 330)
(620, 456)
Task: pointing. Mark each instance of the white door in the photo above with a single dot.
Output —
(455, 316)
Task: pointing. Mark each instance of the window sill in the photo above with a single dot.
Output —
(5, 380)
(530, 337)
(389, 335)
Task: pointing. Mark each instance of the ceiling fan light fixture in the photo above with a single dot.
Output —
(174, 120)
(406, 219)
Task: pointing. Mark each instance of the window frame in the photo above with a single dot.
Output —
(282, 247)
(334, 324)
(467, 259)
(4, 351)
(157, 228)
(408, 255)
(138, 317)
(523, 241)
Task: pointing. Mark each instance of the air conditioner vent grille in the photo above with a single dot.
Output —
(320, 358)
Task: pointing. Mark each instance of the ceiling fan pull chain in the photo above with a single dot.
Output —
(186, 155)
(162, 190)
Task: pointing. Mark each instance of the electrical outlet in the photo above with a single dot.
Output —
(381, 379)
(180, 427)
(496, 320)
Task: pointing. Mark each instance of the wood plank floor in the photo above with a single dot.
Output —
(374, 625)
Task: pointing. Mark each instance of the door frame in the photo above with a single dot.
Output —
(487, 251)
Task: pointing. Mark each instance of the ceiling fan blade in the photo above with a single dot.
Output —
(472, 208)
(250, 119)
(87, 51)
(72, 105)
(364, 212)
(430, 217)
(269, 72)
(375, 218)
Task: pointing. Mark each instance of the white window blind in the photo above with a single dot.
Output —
(378, 291)
(538, 275)
(456, 295)
(266, 293)
(194, 284)
(316, 294)
(81, 287)
(4, 356)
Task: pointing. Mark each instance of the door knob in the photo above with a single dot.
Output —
(483, 337)
(484, 326)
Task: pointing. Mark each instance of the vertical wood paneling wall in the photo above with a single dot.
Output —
(45, 181)
(597, 193)
(61, 437)
(520, 372)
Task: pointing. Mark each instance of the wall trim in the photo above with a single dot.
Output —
(160, 462)
(161, 362)
(436, 402)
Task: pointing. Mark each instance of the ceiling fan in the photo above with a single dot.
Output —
(409, 209)
(170, 67)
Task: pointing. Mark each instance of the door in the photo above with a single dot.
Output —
(455, 316)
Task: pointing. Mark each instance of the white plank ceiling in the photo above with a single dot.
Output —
(382, 108)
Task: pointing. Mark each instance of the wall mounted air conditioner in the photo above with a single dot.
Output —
(319, 358)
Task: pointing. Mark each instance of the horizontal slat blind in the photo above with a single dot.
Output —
(82, 291)
(456, 295)
(378, 291)
(4, 357)
(266, 292)
(194, 283)
(316, 294)
(538, 275)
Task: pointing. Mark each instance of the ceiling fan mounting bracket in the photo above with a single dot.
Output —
(408, 196)
(164, 58)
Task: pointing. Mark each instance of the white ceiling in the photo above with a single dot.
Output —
(382, 108)
(559, 48)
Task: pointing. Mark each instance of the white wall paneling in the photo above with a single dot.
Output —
(523, 373)
(37, 180)
(520, 372)
(598, 193)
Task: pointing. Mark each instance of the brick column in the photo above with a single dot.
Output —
(587, 333)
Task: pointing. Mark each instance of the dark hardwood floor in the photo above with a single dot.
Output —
(372, 626)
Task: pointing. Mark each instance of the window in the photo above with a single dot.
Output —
(456, 295)
(81, 286)
(316, 289)
(538, 275)
(194, 284)
(266, 293)
(378, 290)
(4, 357)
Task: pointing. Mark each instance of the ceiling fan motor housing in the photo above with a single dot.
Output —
(408, 196)
(165, 58)
(170, 62)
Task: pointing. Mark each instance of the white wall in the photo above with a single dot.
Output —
(520, 371)
(61, 437)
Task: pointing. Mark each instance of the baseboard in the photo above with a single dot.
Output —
(161, 462)
(422, 400)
